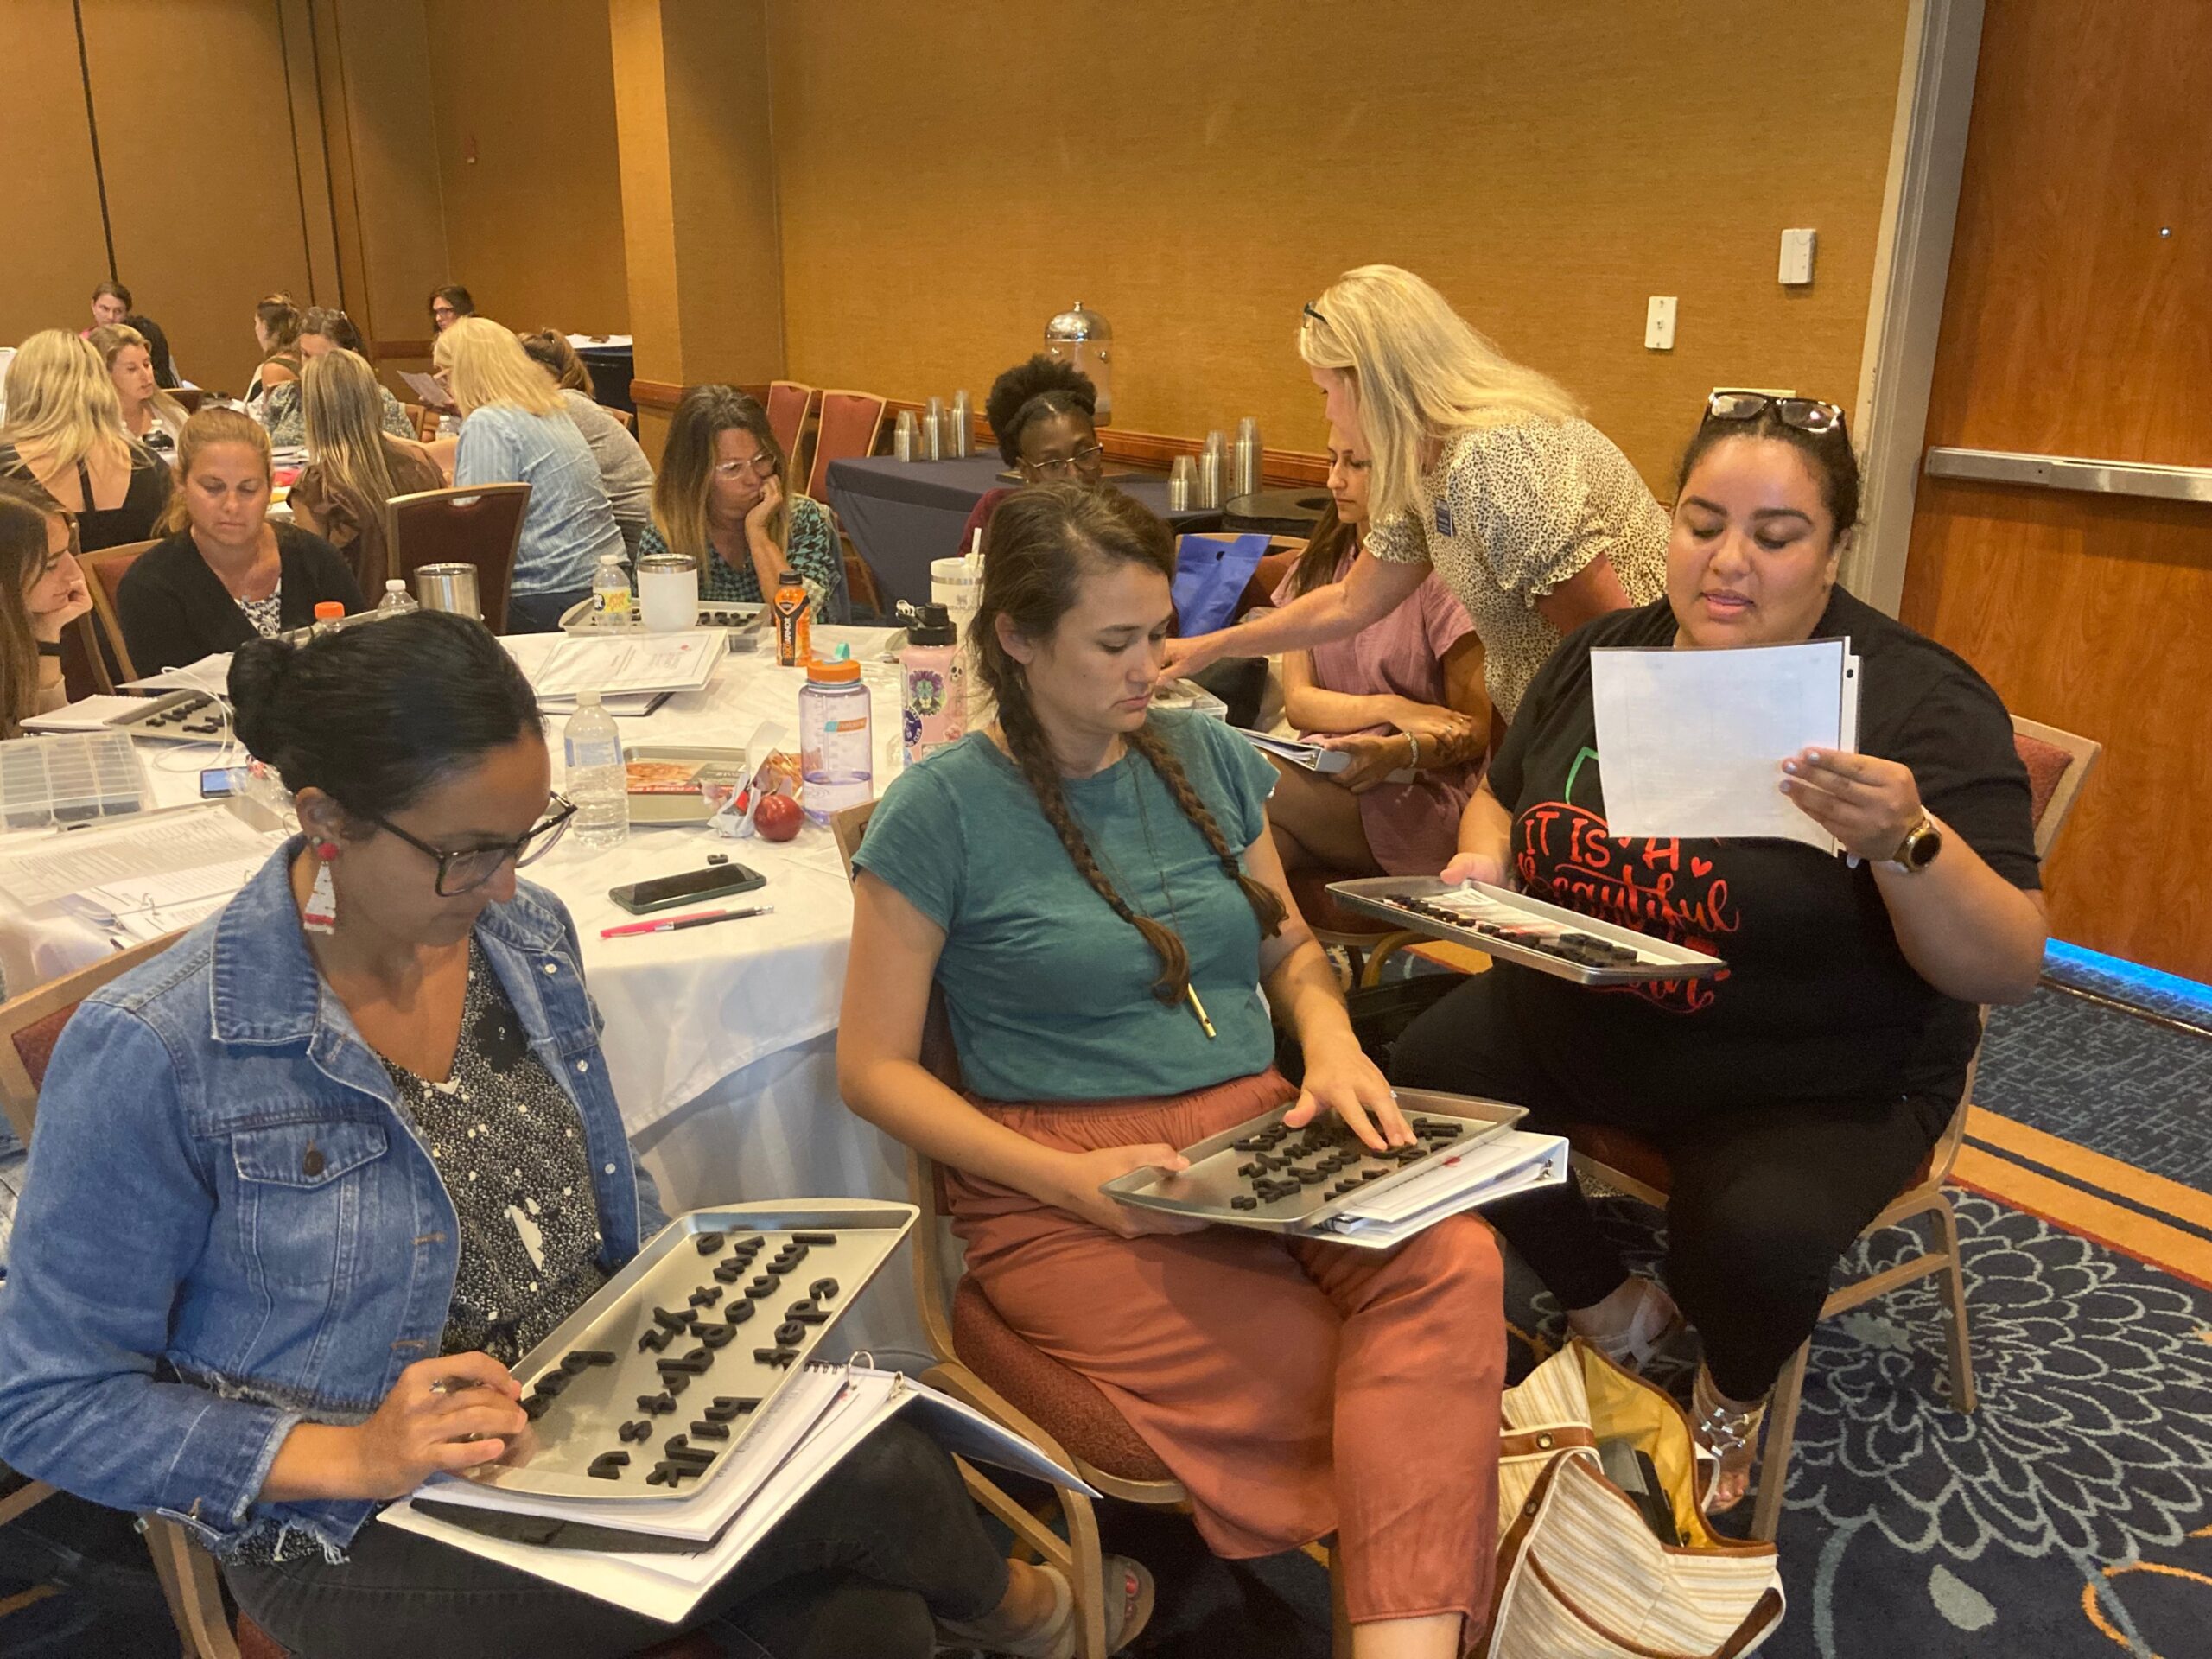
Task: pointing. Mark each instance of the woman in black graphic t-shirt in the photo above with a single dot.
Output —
(1797, 1092)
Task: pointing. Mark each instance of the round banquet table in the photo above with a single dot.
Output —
(721, 1041)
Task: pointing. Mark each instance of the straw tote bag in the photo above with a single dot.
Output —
(1580, 1575)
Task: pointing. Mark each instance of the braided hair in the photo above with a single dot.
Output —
(1031, 391)
(1044, 541)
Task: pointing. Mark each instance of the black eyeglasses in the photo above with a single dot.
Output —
(1308, 309)
(465, 870)
(1807, 415)
(1084, 460)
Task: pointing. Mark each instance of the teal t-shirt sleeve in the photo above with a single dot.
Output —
(914, 841)
(1245, 779)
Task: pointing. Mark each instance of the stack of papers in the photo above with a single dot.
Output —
(661, 1556)
(1692, 742)
(561, 666)
(1313, 757)
(1496, 1167)
(158, 858)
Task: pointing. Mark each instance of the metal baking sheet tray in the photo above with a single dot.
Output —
(719, 766)
(575, 1426)
(1387, 897)
(1214, 1181)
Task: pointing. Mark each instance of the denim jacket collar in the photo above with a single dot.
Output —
(263, 986)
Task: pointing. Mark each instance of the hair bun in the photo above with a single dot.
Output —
(258, 671)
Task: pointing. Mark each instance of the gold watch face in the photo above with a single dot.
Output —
(1920, 846)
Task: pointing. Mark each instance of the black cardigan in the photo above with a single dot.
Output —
(175, 610)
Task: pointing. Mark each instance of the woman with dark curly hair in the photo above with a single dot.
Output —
(1040, 411)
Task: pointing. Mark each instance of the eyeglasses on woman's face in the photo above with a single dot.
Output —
(760, 467)
(1085, 462)
(463, 869)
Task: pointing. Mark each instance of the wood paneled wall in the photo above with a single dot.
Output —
(2078, 320)
(951, 176)
(524, 94)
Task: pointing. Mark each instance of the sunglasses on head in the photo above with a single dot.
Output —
(1807, 415)
(1307, 309)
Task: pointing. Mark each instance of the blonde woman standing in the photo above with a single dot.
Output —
(65, 431)
(358, 465)
(150, 415)
(515, 428)
(1482, 469)
(722, 497)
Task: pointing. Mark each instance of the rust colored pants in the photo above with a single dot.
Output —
(1295, 1388)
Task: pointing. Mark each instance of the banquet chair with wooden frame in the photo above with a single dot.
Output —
(845, 430)
(2058, 764)
(30, 1026)
(789, 404)
(475, 524)
(984, 1363)
(104, 568)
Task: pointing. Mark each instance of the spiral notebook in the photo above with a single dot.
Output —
(660, 1556)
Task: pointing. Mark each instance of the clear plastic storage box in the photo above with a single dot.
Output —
(55, 782)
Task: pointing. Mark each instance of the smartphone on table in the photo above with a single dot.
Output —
(662, 892)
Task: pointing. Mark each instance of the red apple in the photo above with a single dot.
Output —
(777, 817)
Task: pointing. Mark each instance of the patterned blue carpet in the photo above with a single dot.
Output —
(2071, 1514)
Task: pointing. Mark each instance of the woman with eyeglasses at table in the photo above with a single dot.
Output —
(1040, 413)
(224, 574)
(41, 593)
(150, 415)
(724, 498)
(357, 1133)
(1795, 1094)
(1484, 470)
(514, 429)
(65, 431)
(1091, 884)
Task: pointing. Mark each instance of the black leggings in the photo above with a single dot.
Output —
(1764, 1198)
(860, 1569)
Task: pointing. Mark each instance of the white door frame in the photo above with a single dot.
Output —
(1912, 263)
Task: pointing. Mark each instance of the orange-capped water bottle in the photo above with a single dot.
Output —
(794, 613)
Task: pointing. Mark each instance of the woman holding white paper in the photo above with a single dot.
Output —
(1795, 1094)
(309, 1183)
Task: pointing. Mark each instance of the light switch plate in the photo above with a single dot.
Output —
(1796, 267)
(1659, 323)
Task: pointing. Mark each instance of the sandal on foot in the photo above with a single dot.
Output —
(1730, 1432)
(1649, 1329)
(1129, 1610)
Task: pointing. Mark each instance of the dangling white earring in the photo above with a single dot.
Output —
(321, 915)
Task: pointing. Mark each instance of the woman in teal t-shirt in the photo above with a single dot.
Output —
(1094, 888)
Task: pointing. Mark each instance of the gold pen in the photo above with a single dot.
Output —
(1199, 1008)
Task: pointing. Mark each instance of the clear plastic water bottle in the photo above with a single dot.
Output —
(610, 595)
(397, 600)
(835, 758)
(597, 782)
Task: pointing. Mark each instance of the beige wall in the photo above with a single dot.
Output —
(534, 222)
(951, 176)
(56, 251)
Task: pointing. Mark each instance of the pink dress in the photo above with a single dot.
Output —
(1413, 828)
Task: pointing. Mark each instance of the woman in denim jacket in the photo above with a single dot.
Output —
(307, 1183)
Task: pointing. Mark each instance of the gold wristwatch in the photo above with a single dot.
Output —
(1919, 848)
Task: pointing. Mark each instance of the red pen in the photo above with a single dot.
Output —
(676, 923)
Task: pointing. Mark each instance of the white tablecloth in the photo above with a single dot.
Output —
(720, 1040)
